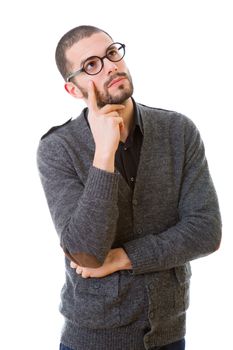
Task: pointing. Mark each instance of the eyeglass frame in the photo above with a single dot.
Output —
(72, 75)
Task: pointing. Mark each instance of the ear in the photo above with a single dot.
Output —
(73, 90)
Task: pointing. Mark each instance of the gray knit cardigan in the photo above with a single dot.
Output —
(171, 218)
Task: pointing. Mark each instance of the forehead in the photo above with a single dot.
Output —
(95, 45)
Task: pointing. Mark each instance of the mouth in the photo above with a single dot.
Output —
(116, 81)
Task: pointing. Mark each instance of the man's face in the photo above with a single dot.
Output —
(113, 83)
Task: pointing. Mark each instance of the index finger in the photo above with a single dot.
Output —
(91, 98)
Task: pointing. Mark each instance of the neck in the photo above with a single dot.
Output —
(127, 115)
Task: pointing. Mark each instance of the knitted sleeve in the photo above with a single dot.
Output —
(86, 235)
(198, 230)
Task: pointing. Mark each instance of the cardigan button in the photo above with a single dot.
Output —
(151, 286)
(96, 286)
(135, 202)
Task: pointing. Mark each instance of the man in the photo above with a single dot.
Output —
(133, 203)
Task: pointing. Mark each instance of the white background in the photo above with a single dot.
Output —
(180, 56)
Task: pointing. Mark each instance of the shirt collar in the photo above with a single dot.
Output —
(137, 117)
(136, 127)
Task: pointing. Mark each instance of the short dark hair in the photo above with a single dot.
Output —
(67, 41)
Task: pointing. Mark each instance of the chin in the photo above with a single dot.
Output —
(120, 96)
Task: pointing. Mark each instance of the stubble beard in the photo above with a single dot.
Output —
(123, 92)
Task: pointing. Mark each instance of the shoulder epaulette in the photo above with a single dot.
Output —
(55, 128)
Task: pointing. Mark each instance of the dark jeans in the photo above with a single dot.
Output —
(179, 345)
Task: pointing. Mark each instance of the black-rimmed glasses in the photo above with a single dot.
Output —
(94, 64)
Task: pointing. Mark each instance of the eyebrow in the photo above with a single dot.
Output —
(84, 60)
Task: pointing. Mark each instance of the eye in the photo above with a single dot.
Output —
(92, 65)
(113, 52)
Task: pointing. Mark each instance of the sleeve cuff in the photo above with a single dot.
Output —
(141, 254)
(102, 184)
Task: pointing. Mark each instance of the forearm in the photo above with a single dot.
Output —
(196, 234)
(102, 214)
(116, 260)
(104, 162)
(83, 206)
(90, 232)
(173, 247)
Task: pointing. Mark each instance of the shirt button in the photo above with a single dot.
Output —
(132, 179)
(125, 148)
(151, 314)
(139, 230)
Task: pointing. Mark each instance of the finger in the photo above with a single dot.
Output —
(115, 119)
(112, 108)
(120, 122)
(73, 265)
(85, 274)
(91, 99)
(79, 270)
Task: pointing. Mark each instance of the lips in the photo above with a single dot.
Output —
(114, 81)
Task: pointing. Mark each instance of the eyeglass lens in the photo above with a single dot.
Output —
(94, 64)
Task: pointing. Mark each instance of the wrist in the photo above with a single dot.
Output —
(105, 162)
(123, 260)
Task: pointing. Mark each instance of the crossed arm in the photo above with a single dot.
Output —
(116, 260)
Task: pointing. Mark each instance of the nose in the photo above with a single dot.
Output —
(110, 66)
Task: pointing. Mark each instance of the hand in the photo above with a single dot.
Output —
(116, 260)
(105, 124)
